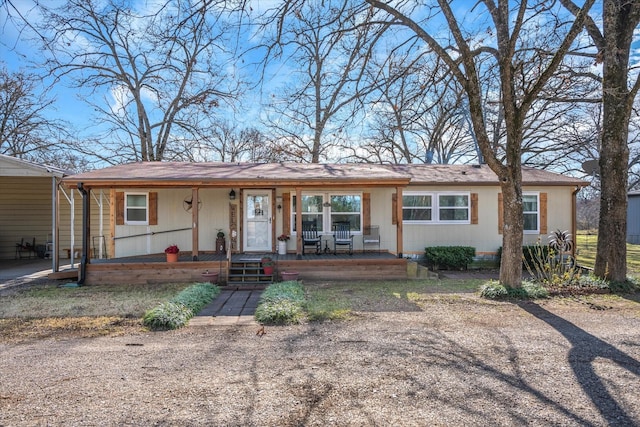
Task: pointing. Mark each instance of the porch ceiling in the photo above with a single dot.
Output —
(174, 174)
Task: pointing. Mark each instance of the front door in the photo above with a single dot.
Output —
(257, 221)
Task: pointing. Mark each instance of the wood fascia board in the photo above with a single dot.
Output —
(495, 184)
(238, 183)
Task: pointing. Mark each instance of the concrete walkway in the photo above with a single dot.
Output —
(231, 307)
(23, 271)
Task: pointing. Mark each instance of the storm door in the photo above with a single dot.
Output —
(257, 221)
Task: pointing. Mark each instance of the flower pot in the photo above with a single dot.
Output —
(172, 257)
(289, 275)
(210, 276)
(282, 248)
(268, 270)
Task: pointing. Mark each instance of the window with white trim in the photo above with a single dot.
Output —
(325, 209)
(531, 211)
(438, 207)
(417, 207)
(453, 207)
(136, 208)
(312, 211)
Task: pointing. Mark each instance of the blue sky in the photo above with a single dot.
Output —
(19, 52)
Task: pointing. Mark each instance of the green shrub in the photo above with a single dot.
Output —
(534, 290)
(168, 315)
(493, 290)
(176, 313)
(282, 312)
(529, 290)
(629, 286)
(291, 290)
(281, 304)
(593, 281)
(449, 257)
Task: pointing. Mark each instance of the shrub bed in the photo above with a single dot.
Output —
(493, 289)
(176, 313)
(282, 304)
(579, 285)
(449, 257)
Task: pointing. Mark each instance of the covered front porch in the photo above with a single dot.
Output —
(234, 210)
(154, 268)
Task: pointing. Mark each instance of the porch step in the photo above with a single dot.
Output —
(247, 273)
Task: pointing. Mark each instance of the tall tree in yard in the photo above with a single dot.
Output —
(27, 130)
(156, 69)
(620, 19)
(526, 55)
(331, 50)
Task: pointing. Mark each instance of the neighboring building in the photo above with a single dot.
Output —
(633, 217)
(32, 203)
(27, 202)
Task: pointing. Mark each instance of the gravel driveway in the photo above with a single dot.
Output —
(449, 359)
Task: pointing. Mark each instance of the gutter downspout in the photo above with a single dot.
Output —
(574, 221)
(85, 233)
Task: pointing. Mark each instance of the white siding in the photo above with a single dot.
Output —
(172, 219)
(484, 236)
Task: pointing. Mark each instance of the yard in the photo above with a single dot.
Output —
(381, 353)
(586, 244)
(403, 353)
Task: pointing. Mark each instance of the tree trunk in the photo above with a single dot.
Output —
(513, 225)
(611, 257)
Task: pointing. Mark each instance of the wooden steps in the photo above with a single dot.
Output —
(247, 273)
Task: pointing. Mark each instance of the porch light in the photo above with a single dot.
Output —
(232, 195)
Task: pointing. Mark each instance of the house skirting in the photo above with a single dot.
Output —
(326, 268)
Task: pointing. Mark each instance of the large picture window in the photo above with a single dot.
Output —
(421, 207)
(323, 210)
(530, 208)
(136, 208)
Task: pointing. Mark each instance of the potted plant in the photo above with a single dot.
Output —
(282, 244)
(267, 265)
(220, 234)
(172, 253)
(289, 275)
(210, 276)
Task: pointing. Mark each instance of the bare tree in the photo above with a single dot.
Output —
(155, 69)
(331, 49)
(513, 50)
(620, 19)
(27, 130)
(416, 114)
(224, 141)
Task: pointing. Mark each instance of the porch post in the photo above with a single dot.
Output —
(194, 220)
(86, 231)
(298, 223)
(399, 222)
(54, 225)
(112, 222)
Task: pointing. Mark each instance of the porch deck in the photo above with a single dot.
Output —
(325, 266)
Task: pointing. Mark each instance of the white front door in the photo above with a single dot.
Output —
(257, 221)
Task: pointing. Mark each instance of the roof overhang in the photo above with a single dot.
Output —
(303, 175)
(246, 175)
(25, 168)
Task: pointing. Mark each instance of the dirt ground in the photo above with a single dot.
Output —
(447, 359)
